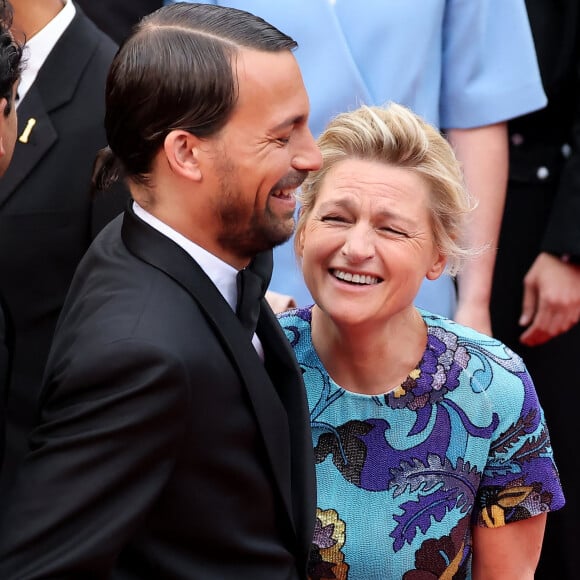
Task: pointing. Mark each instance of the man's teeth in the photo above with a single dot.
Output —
(284, 193)
(355, 278)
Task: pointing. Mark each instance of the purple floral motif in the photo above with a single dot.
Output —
(443, 487)
(439, 371)
(323, 535)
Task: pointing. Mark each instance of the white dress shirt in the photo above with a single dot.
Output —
(39, 46)
(219, 272)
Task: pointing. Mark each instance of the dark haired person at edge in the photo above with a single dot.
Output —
(173, 438)
(47, 214)
(10, 69)
(535, 302)
(433, 459)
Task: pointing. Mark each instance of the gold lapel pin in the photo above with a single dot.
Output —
(27, 130)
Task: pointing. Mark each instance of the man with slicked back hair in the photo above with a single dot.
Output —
(172, 439)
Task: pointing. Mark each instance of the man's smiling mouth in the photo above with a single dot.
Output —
(283, 193)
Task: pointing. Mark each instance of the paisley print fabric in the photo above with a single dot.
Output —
(403, 476)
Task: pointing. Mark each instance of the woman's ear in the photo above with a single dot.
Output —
(299, 236)
(437, 267)
(300, 243)
(182, 150)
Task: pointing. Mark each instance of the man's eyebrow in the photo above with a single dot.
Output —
(290, 122)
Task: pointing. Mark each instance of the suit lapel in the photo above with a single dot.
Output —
(293, 394)
(162, 253)
(58, 77)
(39, 140)
(54, 86)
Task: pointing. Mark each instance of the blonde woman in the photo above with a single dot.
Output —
(432, 454)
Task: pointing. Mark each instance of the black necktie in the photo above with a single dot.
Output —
(252, 283)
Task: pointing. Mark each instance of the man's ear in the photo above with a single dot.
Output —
(182, 150)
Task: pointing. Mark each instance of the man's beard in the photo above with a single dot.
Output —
(245, 232)
(247, 238)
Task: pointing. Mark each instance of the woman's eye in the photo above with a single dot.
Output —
(334, 218)
(283, 140)
(391, 230)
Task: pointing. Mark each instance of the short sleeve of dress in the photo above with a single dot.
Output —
(520, 479)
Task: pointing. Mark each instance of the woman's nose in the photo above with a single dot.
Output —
(359, 244)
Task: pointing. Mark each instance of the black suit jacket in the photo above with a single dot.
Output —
(166, 448)
(115, 17)
(47, 216)
(539, 139)
(6, 348)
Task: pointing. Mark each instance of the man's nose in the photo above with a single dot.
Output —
(307, 156)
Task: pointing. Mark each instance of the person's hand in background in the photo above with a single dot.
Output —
(551, 303)
(279, 302)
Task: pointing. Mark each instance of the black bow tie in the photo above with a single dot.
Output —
(252, 283)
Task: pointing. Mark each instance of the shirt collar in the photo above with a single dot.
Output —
(38, 47)
(220, 273)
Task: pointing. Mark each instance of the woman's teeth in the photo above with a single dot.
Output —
(355, 278)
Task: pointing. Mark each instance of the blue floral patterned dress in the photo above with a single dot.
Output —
(403, 476)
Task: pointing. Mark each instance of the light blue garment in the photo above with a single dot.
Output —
(402, 477)
(457, 63)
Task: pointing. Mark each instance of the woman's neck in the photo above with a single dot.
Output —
(370, 359)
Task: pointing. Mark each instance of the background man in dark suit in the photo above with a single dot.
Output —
(10, 69)
(47, 216)
(116, 18)
(536, 293)
(173, 439)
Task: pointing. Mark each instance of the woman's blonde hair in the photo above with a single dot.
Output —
(396, 136)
